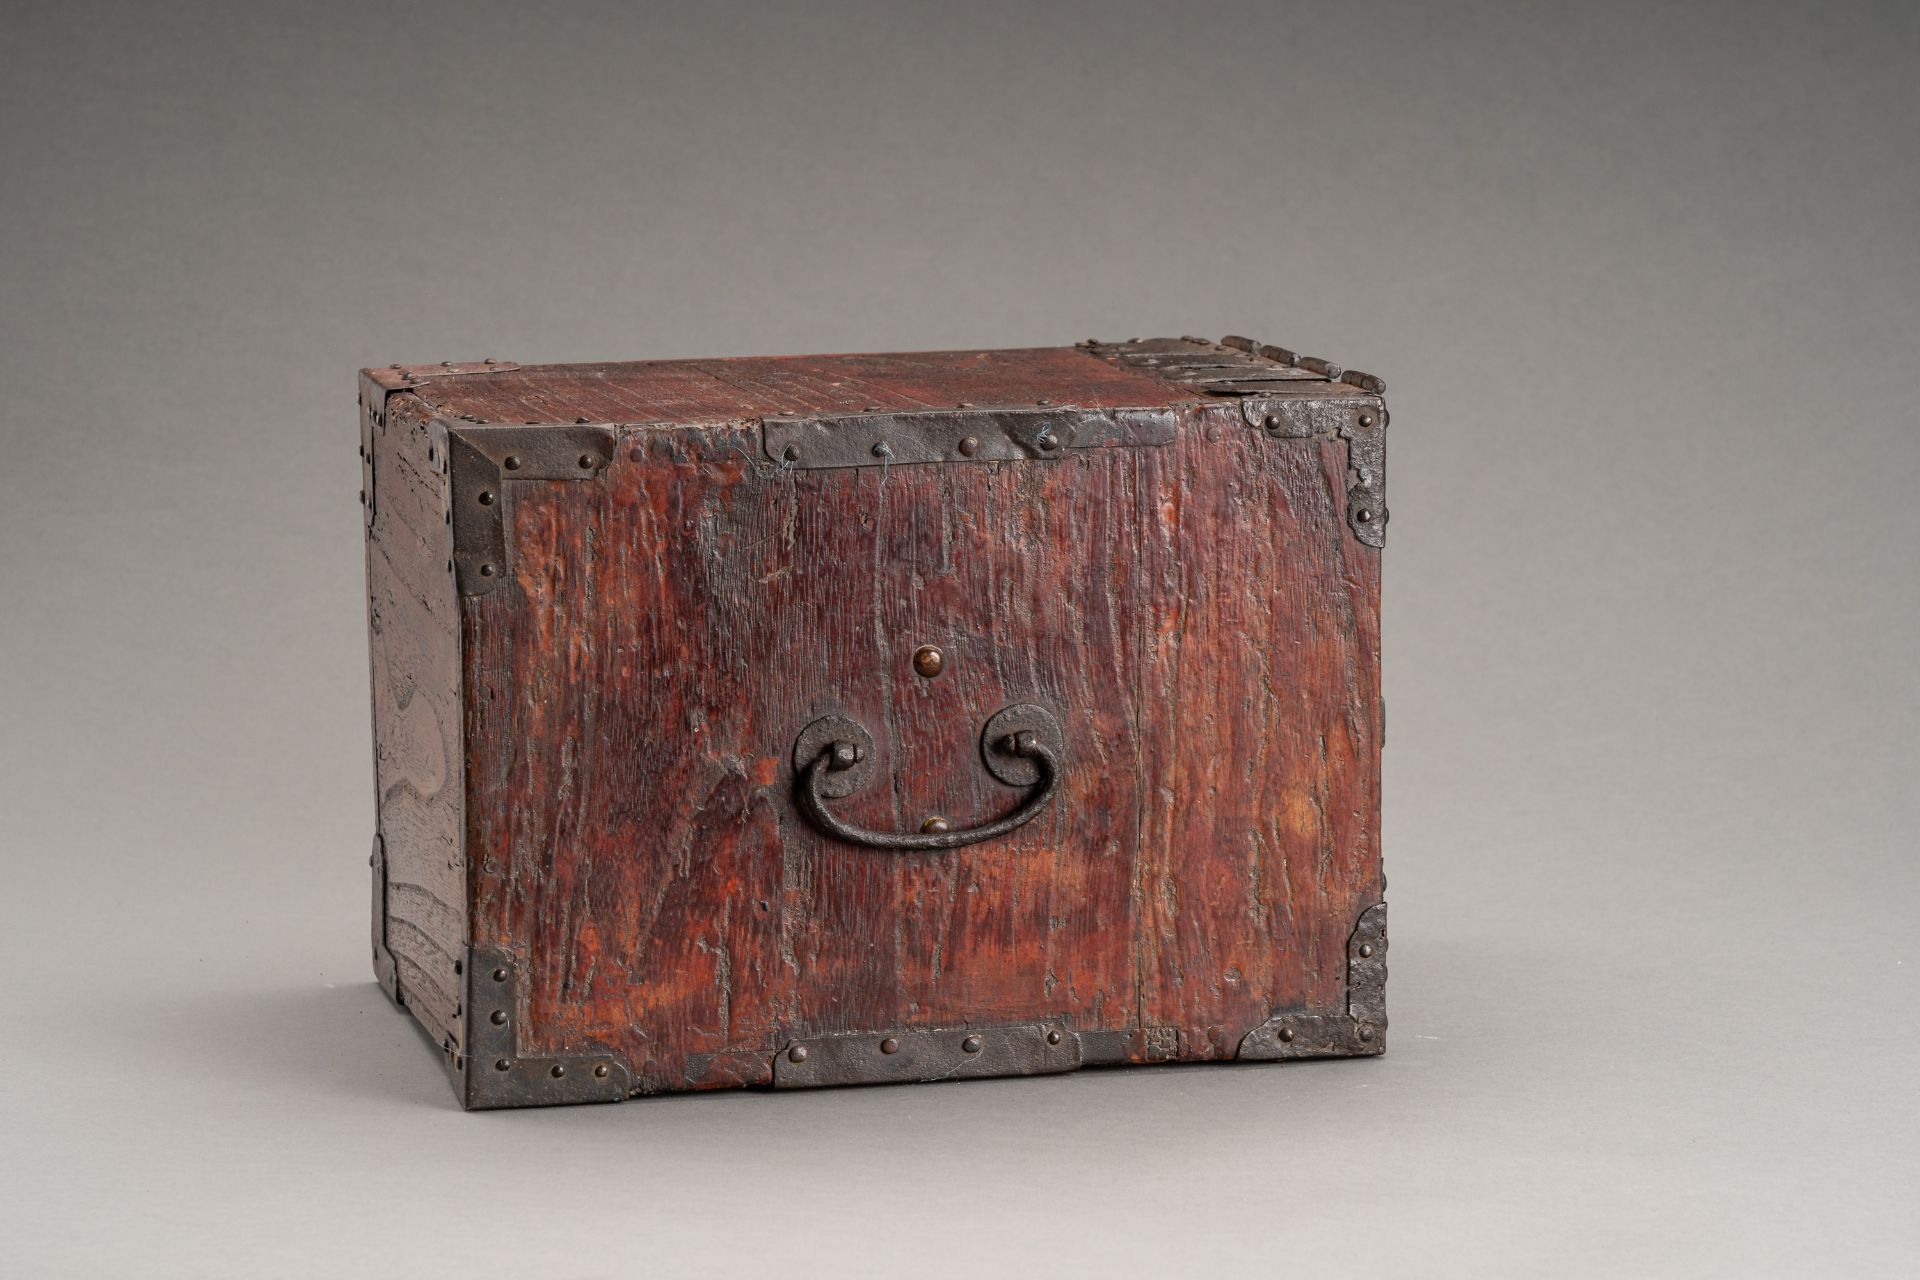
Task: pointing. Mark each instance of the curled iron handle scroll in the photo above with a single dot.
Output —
(832, 759)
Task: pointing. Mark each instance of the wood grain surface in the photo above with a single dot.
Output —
(413, 619)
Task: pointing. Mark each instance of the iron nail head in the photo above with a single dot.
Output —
(971, 1044)
(797, 1054)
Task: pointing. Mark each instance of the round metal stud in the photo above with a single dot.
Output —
(486, 571)
(1366, 1033)
(971, 1044)
(791, 453)
(1275, 422)
(935, 825)
(1366, 949)
(499, 975)
(969, 445)
(1054, 1037)
(1286, 1034)
(600, 1072)
(1364, 516)
(485, 498)
(929, 661)
(1046, 441)
(890, 1045)
(498, 1018)
(559, 1069)
(586, 462)
(797, 1054)
(511, 462)
(1365, 419)
(882, 450)
(505, 1064)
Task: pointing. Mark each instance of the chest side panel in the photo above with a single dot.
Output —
(413, 623)
(1198, 616)
(1260, 693)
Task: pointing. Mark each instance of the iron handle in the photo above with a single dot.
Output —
(832, 760)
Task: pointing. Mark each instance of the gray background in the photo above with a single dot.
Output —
(1644, 283)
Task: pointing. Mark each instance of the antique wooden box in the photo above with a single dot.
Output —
(848, 719)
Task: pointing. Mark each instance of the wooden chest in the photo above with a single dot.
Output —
(848, 719)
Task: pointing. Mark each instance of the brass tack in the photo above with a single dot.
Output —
(797, 1054)
(890, 1045)
(935, 825)
(499, 1017)
(971, 1044)
(929, 661)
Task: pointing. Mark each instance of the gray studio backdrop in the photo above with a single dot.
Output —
(1644, 281)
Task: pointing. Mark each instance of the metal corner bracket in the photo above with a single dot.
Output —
(1288, 395)
(484, 463)
(493, 1073)
(376, 385)
(1361, 421)
(384, 970)
(1360, 1031)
